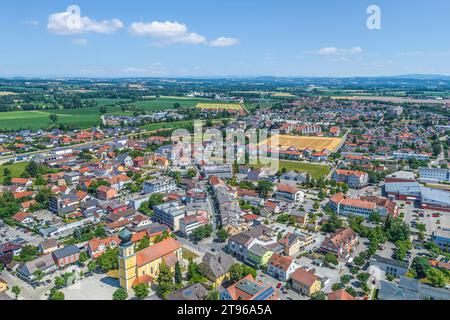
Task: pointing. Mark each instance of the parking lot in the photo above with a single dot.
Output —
(9, 233)
(96, 287)
(411, 216)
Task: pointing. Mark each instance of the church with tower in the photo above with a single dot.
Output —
(143, 266)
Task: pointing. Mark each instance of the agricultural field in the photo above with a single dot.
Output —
(165, 103)
(6, 93)
(168, 125)
(108, 102)
(16, 170)
(283, 95)
(34, 120)
(392, 99)
(316, 171)
(303, 142)
(220, 106)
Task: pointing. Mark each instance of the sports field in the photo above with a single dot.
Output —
(219, 106)
(303, 142)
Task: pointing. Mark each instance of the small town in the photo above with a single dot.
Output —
(357, 210)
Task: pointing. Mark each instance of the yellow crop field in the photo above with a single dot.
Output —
(219, 106)
(283, 95)
(6, 93)
(303, 142)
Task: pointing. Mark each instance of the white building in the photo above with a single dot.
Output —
(434, 174)
(161, 185)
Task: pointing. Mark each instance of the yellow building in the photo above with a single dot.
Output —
(3, 285)
(217, 267)
(305, 282)
(143, 266)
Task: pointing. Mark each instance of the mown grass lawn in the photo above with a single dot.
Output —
(186, 254)
(16, 170)
(315, 170)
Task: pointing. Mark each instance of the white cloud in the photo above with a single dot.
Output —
(339, 51)
(72, 22)
(224, 42)
(166, 32)
(80, 42)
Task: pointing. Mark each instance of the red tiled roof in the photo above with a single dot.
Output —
(156, 251)
(341, 294)
(304, 277)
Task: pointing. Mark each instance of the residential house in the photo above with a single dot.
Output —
(96, 247)
(258, 256)
(342, 243)
(67, 255)
(289, 193)
(249, 289)
(340, 294)
(354, 179)
(3, 285)
(293, 177)
(106, 193)
(22, 182)
(194, 292)
(48, 246)
(281, 267)
(8, 251)
(293, 243)
(162, 185)
(170, 214)
(305, 282)
(190, 223)
(45, 264)
(217, 267)
(23, 218)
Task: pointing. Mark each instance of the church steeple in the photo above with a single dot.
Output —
(127, 260)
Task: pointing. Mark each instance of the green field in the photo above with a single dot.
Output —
(315, 170)
(164, 103)
(108, 102)
(75, 118)
(85, 117)
(168, 125)
(16, 170)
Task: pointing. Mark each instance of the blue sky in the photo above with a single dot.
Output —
(223, 38)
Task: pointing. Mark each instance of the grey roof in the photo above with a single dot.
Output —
(258, 250)
(241, 238)
(196, 291)
(391, 291)
(66, 252)
(42, 263)
(393, 262)
(411, 289)
(47, 244)
(249, 287)
(435, 196)
(297, 213)
(218, 264)
(402, 187)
